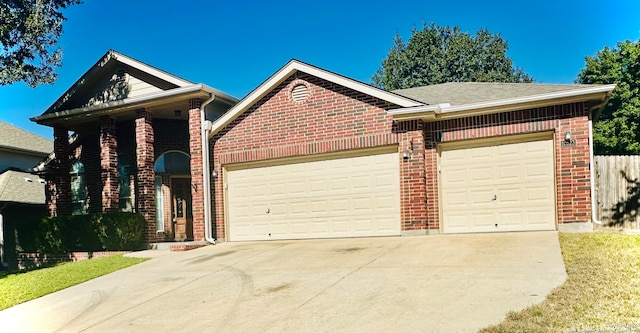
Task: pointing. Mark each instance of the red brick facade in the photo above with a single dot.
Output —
(332, 118)
(335, 118)
(322, 116)
(109, 164)
(145, 200)
(197, 185)
(572, 162)
(58, 181)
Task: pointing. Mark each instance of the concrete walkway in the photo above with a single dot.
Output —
(453, 283)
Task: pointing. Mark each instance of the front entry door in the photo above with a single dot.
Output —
(181, 208)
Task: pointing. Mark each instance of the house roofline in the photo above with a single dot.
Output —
(290, 68)
(109, 55)
(444, 111)
(130, 103)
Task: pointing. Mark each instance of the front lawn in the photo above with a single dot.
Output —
(19, 287)
(601, 293)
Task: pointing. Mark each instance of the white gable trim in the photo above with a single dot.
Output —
(291, 68)
(112, 55)
(149, 69)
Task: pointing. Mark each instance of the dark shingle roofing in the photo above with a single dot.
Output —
(12, 137)
(461, 93)
(22, 187)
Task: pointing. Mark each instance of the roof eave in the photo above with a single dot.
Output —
(25, 151)
(442, 112)
(113, 107)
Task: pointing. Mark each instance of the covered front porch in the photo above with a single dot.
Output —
(128, 137)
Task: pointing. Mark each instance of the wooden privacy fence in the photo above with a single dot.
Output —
(617, 188)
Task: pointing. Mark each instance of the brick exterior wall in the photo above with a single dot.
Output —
(145, 199)
(413, 194)
(59, 182)
(572, 162)
(332, 118)
(109, 164)
(195, 151)
(335, 118)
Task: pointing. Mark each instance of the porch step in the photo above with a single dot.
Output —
(178, 246)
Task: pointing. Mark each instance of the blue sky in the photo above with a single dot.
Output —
(234, 46)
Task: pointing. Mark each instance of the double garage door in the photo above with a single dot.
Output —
(489, 186)
(337, 196)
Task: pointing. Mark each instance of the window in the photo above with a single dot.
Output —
(168, 164)
(173, 162)
(78, 189)
(159, 205)
(124, 184)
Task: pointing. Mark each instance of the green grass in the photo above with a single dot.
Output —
(19, 287)
(601, 293)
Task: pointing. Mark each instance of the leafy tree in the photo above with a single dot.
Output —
(29, 30)
(443, 54)
(617, 131)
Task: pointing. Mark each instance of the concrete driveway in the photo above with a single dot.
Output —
(453, 283)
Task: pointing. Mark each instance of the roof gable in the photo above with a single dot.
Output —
(290, 69)
(115, 77)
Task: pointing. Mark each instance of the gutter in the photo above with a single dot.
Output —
(121, 105)
(445, 111)
(206, 172)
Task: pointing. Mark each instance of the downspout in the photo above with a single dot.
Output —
(206, 172)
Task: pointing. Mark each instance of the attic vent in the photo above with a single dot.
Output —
(299, 93)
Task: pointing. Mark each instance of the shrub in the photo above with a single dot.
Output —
(96, 232)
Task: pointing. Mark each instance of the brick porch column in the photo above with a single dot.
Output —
(145, 196)
(413, 191)
(195, 151)
(109, 164)
(59, 195)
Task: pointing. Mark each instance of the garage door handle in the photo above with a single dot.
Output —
(495, 197)
(268, 211)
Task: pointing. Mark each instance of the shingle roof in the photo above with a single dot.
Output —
(17, 186)
(461, 93)
(13, 137)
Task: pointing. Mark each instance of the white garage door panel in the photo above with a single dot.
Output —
(345, 197)
(507, 187)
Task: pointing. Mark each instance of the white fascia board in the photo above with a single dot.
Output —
(600, 92)
(293, 66)
(124, 103)
(150, 69)
(219, 94)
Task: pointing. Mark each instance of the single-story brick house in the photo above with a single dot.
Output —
(313, 154)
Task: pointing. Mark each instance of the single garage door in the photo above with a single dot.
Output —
(337, 196)
(489, 186)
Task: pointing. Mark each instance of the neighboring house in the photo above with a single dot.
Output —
(313, 154)
(20, 149)
(21, 200)
(21, 193)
